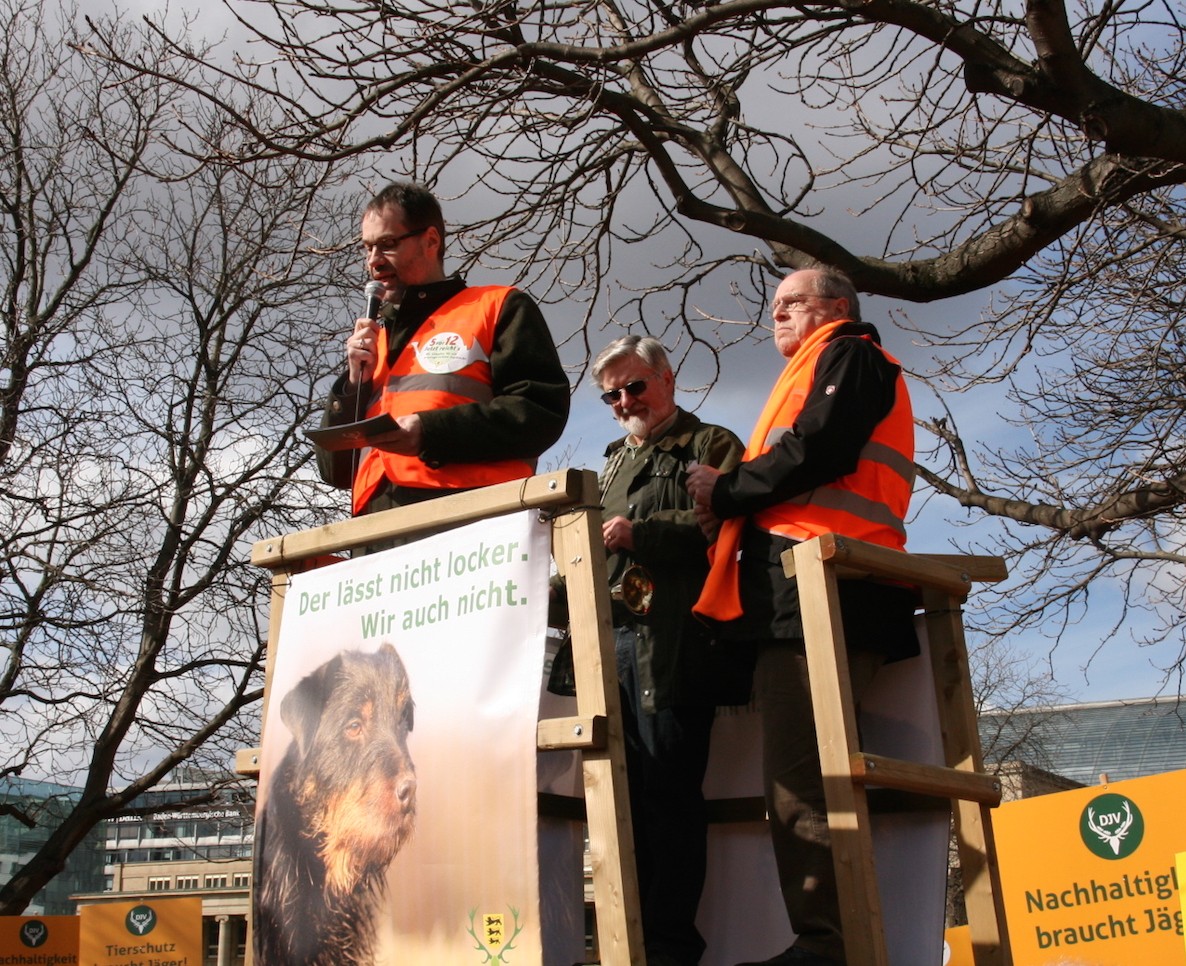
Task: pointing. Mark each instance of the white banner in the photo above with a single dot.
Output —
(899, 718)
(415, 830)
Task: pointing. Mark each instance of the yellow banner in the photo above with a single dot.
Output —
(957, 947)
(159, 932)
(1089, 875)
(1181, 876)
(38, 940)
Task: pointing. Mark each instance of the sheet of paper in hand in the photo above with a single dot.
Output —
(368, 432)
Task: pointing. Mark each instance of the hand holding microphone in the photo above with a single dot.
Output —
(362, 346)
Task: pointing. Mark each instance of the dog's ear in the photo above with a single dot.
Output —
(396, 668)
(302, 707)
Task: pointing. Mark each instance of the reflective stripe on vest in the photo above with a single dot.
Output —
(466, 387)
(445, 363)
(868, 517)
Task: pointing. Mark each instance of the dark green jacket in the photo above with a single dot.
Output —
(678, 663)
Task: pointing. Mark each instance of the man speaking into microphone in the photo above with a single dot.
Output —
(470, 375)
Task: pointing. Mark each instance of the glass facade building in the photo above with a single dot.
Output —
(31, 811)
(1120, 739)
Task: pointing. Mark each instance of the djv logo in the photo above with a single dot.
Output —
(34, 933)
(141, 920)
(1112, 826)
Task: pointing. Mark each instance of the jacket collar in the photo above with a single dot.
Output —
(420, 301)
(679, 434)
(849, 327)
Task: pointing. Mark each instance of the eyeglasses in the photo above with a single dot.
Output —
(387, 246)
(635, 389)
(793, 302)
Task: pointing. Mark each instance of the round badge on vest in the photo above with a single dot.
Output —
(447, 352)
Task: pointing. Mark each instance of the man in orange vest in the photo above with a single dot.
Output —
(832, 451)
(470, 375)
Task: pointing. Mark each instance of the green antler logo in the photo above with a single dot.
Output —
(1112, 826)
(490, 935)
(34, 933)
(141, 920)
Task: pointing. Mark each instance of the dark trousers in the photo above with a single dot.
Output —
(666, 756)
(795, 790)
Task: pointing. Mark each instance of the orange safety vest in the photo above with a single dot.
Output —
(446, 363)
(868, 504)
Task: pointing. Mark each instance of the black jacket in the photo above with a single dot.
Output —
(853, 390)
(531, 391)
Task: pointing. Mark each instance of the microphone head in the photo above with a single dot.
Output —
(375, 289)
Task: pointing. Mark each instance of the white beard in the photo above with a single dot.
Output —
(635, 426)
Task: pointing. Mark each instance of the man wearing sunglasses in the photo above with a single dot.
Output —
(832, 451)
(672, 675)
(470, 375)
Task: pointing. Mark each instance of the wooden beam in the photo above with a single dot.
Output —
(551, 490)
(247, 762)
(910, 776)
(555, 734)
(855, 559)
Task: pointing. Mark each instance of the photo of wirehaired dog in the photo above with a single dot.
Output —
(340, 805)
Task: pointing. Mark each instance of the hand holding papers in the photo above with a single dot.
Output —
(369, 432)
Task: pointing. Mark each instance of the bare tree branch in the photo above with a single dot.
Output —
(161, 346)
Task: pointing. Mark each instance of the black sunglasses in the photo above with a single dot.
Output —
(635, 389)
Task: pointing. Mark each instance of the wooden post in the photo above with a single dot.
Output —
(577, 543)
(945, 581)
(836, 729)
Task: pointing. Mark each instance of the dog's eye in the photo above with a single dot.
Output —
(353, 728)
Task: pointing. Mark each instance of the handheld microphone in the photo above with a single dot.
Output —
(374, 292)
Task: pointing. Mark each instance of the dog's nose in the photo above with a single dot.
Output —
(406, 790)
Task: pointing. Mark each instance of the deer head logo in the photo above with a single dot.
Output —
(1112, 826)
(1117, 834)
(140, 920)
(34, 933)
